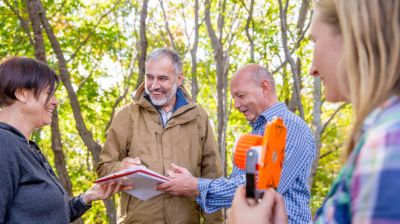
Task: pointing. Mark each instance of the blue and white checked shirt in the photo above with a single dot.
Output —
(299, 154)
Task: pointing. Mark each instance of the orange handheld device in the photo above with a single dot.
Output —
(262, 157)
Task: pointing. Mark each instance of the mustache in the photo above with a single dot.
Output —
(157, 90)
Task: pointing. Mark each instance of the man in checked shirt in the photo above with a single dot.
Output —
(253, 89)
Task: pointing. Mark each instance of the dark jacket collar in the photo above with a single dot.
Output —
(180, 99)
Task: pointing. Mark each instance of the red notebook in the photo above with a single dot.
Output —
(144, 181)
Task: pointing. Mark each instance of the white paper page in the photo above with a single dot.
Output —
(144, 181)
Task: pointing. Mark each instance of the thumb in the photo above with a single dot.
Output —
(177, 168)
(240, 196)
(279, 210)
(268, 200)
(171, 173)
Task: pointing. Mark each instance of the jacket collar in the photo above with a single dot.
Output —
(140, 97)
(180, 99)
(269, 114)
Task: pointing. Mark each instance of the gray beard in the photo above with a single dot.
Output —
(166, 99)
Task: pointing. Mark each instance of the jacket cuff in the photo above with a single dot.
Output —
(82, 201)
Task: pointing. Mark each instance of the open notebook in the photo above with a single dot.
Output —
(144, 181)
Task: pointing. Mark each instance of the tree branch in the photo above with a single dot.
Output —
(91, 33)
(166, 23)
(23, 23)
(332, 116)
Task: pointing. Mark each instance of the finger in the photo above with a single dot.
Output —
(171, 174)
(279, 210)
(240, 196)
(163, 186)
(103, 187)
(160, 187)
(177, 168)
(268, 200)
(109, 190)
(251, 201)
(114, 188)
(117, 188)
(229, 216)
(127, 187)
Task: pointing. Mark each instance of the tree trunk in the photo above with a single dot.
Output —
(288, 57)
(40, 51)
(317, 126)
(84, 133)
(143, 44)
(247, 28)
(166, 23)
(222, 79)
(193, 51)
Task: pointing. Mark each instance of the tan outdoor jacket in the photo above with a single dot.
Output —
(187, 140)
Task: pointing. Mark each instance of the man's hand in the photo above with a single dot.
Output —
(182, 183)
(270, 209)
(103, 191)
(129, 162)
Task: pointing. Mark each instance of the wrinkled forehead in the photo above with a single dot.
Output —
(160, 66)
(243, 77)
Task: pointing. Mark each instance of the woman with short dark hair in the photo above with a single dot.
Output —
(30, 192)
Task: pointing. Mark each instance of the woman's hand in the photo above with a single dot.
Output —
(103, 191)
(270, 209)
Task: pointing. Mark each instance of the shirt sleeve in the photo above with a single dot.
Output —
(9, 175)
(375, 185)
(218, 193)
(299, 155)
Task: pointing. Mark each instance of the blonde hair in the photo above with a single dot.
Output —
(371, 39)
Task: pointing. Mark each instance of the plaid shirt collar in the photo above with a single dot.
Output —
(268, 114)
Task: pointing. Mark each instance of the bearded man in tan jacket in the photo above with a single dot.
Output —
(160, 127)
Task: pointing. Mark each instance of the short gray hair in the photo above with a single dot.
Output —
(261, 74)
(165, 52)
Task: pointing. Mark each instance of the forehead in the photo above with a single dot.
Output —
(161, 65)
(242, 84)
(314, 24)
(319, 27)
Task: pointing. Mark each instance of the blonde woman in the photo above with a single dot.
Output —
(30, 192)
(357, 57)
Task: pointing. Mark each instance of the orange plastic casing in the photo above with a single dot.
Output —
(270, 161)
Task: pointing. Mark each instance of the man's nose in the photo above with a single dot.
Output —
(236, 104)
(155, 84)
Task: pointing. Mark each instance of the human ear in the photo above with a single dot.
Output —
(22, 95)
(265, 85)
(180, 79)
